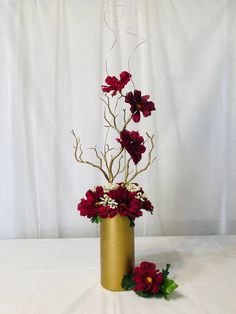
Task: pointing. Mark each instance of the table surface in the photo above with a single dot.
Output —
(61, 276)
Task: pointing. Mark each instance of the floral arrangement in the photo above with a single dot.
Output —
(148, 282)
(125, 198)
(112, 199)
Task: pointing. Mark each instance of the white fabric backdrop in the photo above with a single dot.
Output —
(52, 63)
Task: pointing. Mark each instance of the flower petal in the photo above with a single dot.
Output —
(136, 116)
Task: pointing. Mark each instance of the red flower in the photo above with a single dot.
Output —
(133, 143)
(107, 211)
(128, 204)
(115, 84)
(90, 206)
(147, 205)
(147, 278)
(139, 104)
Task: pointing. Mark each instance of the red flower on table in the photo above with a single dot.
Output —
(139, 103)
(128, 204)
(133, 143)
(147, 278)
(116, 85)
(91, 206)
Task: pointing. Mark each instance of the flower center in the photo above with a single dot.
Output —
(149, 279)
(138, 106)
(97, 204)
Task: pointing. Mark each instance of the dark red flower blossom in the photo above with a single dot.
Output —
(139, 103)
(128, 204)
(120, 200)
(107, 211)
(147, 278)
(147, 205)
(133, 143)
(116, 85)
(91, 206)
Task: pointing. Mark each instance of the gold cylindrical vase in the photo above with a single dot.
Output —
(117, 251)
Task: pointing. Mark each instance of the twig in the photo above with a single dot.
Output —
(112, 125)
(97, 155)
(118, 169)
(114, 158)
(149, 162)
(127, 173)
(79, 156)
(118, 101)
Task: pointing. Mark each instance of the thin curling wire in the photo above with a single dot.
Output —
(139, 44)
(113, 32)
(112, 46)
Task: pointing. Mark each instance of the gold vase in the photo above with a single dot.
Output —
(117, 251)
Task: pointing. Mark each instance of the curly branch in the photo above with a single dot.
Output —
(78, 153)
(112, 125)
(113, 159)
(118, 171)
(126, 122)
(107, 149)
(118, 101)
(149, 161)
(127, 172)
(97, 155)
(109, 125)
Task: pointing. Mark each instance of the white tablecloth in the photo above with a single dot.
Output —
(61, 276)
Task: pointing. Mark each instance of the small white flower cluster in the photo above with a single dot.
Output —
(110, 186)
(132, 187)
(141, 196)
(107, 201)
(93, 189)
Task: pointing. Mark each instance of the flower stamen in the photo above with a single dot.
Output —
(149, 279)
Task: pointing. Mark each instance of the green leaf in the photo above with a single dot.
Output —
(131, 220)
(166, 297)
(168, 286)
(159, 294)
(144, 294)
(165, 271)
(96, 219)
(128, 283)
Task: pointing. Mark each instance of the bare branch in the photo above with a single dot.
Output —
(108, 149)
(149, 161)
(104, 154)
(126, 122)
(107, 121)
(127, 172)
(97, 155)
(114, 158)
(112, 125)
(106, 163)
(124, 115)
(79, 156)
(118, 171)
(118, 101)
